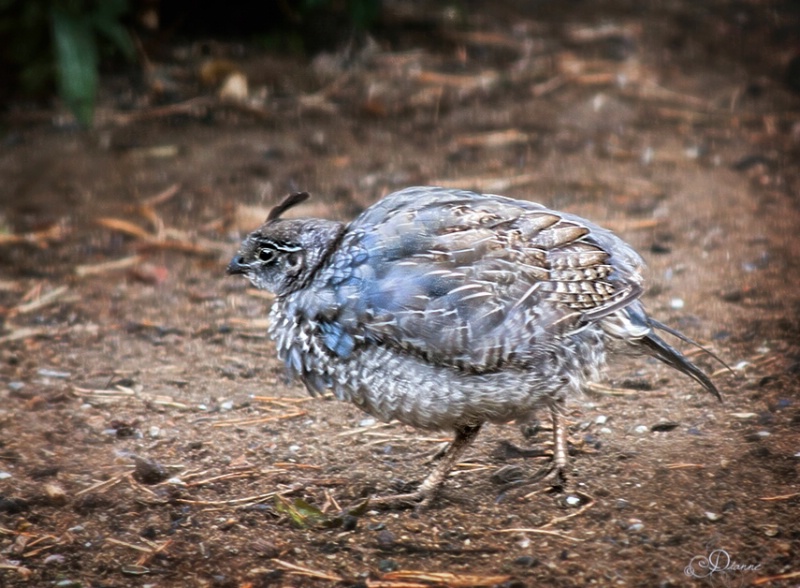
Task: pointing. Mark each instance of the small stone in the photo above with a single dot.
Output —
(605, 430)
(294, 448)
(385, 538)
(712, 516)
(5, 475)
(53, 373)
(387, 565)
(526, 561)
(641, 429)
(600, 419)
(55, 494)
(367, 422)
(76, 529)
(149, 472)
(154, 431)
(226, 405)
(635, 525)
(770, 530)
(16, 386)
(664, 427)
(54, 558)
(676, 303)
(349, 522)
(744, 416)
(756, 437)
(573, 500)
(621, 504)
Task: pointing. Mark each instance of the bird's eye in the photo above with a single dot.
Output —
(266, 255)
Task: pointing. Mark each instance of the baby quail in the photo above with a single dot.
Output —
(446, 309)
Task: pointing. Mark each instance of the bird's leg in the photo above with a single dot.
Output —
(431, 486)
(560, 451)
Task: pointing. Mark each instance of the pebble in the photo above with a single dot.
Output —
(712, 516)
(294, 448)
(367, 422)
(4, 475)
(676, 303)
(770, 530)
(226, 405)
(664, 426)
(573, 500)
(526, 561)
(605, 430)
(53, 373)
(641, 429)
(600, 419)
(387, 565)
(635, 525)
(16, 386)
(154, 431)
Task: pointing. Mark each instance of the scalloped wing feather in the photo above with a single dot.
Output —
(470, 280)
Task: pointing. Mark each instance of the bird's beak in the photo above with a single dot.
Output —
(237, 266)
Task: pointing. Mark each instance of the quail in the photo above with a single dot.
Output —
(447, 309)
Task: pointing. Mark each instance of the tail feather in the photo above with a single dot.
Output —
(662, 350)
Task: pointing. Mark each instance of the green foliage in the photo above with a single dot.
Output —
(361, 13)
(304, 515)
(62, 41)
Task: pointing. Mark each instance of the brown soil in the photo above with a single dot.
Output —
(148, 436)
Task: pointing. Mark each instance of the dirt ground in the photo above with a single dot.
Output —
(148, 436)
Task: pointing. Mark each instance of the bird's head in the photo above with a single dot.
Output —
(282, 254)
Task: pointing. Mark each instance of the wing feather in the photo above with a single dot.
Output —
(469, 280)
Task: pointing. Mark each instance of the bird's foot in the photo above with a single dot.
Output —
(418, 500)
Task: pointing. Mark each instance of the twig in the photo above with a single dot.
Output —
(146, 558)
(362, 430)
(685, 466)
(780, 497)
(281, 399)
(540, 531)
(302, 571)
(445, 578)
(601, 389)
(163, 196)
(107, 266)
(25, 333)
(21, 570)
(147, 550)
(778, 578)
(239, 501)
(40, 302)
(54, 233)
(485, 184)
(231, 476)
(190, 106)
(104, 485)
(259, 420)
